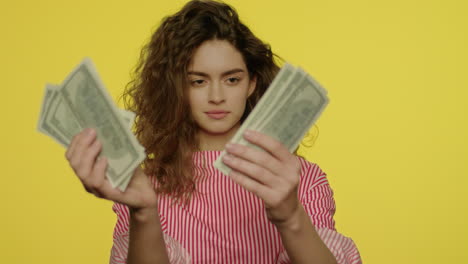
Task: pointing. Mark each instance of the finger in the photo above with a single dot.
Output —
(250, 185)
(87, 189)
(73, 143)
(273, 146)
(106, 191)
(89, 158)
(249, 169)
(92, 191)
(105, 188)
(259, 157)
(82, 144)
(71, 147)
(95, 183)
(103, 184)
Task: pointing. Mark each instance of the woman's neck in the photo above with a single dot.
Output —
(215, 141)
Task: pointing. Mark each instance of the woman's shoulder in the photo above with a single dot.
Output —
(311, 174)
(309, 168)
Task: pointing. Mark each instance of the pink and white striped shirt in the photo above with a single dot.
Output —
(224, 223)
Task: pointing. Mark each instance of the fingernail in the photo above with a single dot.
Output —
(90, 131)
(248, 133)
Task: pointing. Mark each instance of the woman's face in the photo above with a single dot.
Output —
(219, 86)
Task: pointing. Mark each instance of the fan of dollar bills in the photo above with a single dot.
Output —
(82, 101)
(289, 107)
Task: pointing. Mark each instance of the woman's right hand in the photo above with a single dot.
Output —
(82, 155)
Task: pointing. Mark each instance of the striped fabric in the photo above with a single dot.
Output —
(224, 223)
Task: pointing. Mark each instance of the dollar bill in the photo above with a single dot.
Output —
(61, 119)
(290, 106)
(50, 96)
(57, 121)
(296, 114)
(128, 116)
(82, 101)
(266, 104)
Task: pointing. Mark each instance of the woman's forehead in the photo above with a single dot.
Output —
(216, 57)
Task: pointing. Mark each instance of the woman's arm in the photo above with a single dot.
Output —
(301, 241)
(146, 243)
(273, 175)
(316, 198)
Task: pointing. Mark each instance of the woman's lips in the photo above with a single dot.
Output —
(216, 114)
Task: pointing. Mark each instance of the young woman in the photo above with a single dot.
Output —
(199, 77)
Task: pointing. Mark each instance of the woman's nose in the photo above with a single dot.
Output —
(216, 94)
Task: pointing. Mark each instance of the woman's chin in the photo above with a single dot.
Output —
(219, 131)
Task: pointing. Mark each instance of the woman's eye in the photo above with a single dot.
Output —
(197, 82)
(233, 80)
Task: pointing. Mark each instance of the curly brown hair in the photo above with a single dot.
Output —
(157, 91)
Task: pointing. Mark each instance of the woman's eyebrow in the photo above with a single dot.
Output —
(229, 72)
(232, 71)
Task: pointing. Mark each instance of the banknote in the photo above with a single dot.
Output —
(265, 104)
(291, 105)
(128, 116)
(56, 120)
(61, 119)
(82, 101)
(296, 113)
(50, 95)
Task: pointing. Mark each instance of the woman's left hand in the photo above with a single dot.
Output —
(273, 175)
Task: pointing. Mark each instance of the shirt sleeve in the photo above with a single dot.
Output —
(317, 199)
(120, 237)
(176, 253)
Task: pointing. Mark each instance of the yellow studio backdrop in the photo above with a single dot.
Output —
(393, 139)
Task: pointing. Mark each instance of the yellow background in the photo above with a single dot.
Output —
(393, 140)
